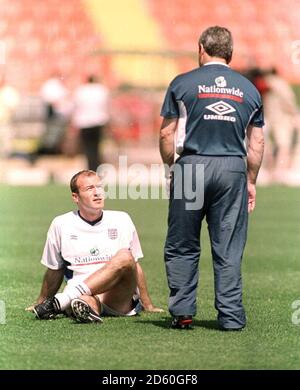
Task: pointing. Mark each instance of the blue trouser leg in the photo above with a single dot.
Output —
(182, 251)
(227, 218)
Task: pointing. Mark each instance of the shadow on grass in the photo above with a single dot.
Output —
(166, 323)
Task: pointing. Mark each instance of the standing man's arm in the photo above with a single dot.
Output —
(166, 140)
(51, 283)
(255, 153)
(143, 290)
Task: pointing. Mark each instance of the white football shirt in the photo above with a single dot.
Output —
(84, 248)
(91, 107)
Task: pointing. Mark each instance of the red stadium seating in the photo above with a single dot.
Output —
(59, 35)
(45, 36)
(260, 28)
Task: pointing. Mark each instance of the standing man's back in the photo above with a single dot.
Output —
(214, 104)
(208, 112)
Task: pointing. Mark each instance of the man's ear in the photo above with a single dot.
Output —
(75, 197)
(200, 54)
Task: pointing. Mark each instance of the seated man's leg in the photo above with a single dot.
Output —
(119, 277)
(118, 273)
(115, 284)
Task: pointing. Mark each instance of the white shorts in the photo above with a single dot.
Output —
(108, 311)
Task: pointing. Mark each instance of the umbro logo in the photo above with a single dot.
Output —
(220, 108)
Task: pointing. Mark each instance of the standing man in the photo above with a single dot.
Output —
(56, 100)
(9, 101)
(281, 114)
(90, 117)
(210, 109)
(97, 251)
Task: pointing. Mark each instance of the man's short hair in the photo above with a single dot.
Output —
(217, 42)
(73, 182)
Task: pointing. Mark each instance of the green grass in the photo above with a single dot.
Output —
(271, 283)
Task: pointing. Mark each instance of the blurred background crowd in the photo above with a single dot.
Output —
(82, 81)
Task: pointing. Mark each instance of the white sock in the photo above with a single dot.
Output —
(71, 292)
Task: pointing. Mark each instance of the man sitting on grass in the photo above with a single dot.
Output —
(98, 251)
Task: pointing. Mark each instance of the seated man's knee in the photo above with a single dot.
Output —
(125, 259)
(125, 254)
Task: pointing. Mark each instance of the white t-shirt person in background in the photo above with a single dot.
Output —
(97, 251)
(90, 117)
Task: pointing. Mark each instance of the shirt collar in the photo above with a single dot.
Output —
(216, 63)
(92, 223)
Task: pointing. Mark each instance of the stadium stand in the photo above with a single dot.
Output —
(39, 36)
(135, 45)
(259, 27)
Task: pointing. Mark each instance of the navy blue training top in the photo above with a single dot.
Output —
(215, 105)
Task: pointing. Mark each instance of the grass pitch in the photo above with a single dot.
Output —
(271, 275)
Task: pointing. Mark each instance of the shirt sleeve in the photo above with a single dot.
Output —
(51, 257)
(258, 118)
(170, 107)
(130, 240)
